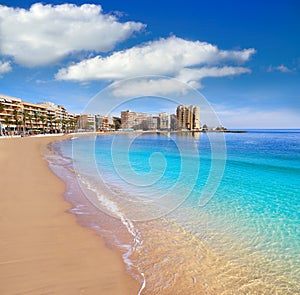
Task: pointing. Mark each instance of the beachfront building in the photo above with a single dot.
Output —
(134, 120)
(20, 116)
(139, 121)
(104, 123)
(164, 121)
(188, 117)
(87, 122)
(173, 122)
(57, 117)
(128, 119)
(9, 108)
(35, 116)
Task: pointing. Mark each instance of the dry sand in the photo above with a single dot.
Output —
(42, 248)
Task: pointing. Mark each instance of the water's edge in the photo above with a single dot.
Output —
(87, 215)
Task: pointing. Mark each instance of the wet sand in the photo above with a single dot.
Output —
(42, 248)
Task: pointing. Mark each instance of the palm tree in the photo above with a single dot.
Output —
(25, 116)
(1, 110)
(50, 119)
(29, 116)
(36, 116)
(19, 124)
(43, 118)
(73, 124)
(7, 122)
(16, 118)
(57, 121)
(64, 122)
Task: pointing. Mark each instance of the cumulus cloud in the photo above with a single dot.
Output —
(5, 67)
(148, 86)
(45, 33)
(191, 76)
(187, 61)
(162, 57)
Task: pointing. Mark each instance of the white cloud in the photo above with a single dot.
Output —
(190, 76)
(45, 33)
(281, 68)
(181, 85)
(148, 87)
(167, 57)
(5, 67)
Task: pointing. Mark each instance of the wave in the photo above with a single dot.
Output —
(90, 215)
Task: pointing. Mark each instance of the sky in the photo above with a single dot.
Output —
(242, 56)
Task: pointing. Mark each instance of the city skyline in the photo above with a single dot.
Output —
(244, 60)
(19, 117)
(184, 118)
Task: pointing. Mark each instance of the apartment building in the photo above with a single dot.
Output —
(87, 122)
(18, 115)
(36, 115)
(164, 121)
(134, 120)
(58, 116)
(188, 117)
(104, 123)
(139, 121)
(8, 108)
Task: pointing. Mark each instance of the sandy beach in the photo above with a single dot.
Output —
(42, 248)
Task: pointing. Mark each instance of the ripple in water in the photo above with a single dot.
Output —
(246, 240)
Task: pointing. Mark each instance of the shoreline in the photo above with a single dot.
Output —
(43, 248)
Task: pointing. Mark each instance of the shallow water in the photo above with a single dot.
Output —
(142, 194)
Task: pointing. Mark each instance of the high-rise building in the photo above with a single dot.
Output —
(87, 122)
(136, 120)
(164, 121)
(128, 119)
(196, 117)
(104, 123)
(188, 117)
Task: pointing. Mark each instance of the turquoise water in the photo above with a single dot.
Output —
(244, 239)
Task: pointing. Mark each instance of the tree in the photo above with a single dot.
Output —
(1, 110)
(65, 124)
(7, 123)
(57, 123)
(19, 124)
(117, 123)
(1, 107)
(25, 116)
(72, 124)
(43, 118)
(16, 118)
(29, 116)
(50, 119)
(36, 116)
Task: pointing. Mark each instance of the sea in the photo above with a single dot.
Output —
(191, 213)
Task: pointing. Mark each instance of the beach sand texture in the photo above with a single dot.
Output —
(42, 248)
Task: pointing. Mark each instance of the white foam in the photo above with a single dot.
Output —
(143, 284)
(57, 162)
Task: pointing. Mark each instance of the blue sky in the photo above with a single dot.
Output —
(244, 57)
